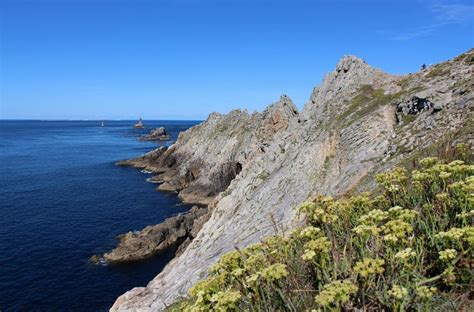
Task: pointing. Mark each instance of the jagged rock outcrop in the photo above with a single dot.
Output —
(233, 140)
(158, 134)
(354, 125)
(155, 238)
(414, 105)
(186, 168)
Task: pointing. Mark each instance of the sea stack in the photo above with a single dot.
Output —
(158, 134)
(139, 124)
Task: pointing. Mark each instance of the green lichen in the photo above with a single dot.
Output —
(263, 175)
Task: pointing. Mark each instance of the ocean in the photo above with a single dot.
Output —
(62, 200)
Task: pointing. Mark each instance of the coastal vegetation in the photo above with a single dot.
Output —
(408, 245)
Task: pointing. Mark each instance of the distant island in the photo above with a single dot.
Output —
(158, 134)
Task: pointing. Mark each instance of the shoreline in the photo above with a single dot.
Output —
(175, 232)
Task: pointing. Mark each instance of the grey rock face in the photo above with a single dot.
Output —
(348, 131)
(351, 72)
(153, 239)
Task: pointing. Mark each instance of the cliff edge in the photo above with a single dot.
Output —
(252, 170)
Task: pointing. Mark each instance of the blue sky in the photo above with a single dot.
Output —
(182, 59)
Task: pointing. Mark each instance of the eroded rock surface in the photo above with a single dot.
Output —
(207, 157)
(348, 131)
(155, 238)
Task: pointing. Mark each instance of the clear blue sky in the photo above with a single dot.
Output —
(182, 59)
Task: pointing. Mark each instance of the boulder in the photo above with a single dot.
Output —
(415, 105)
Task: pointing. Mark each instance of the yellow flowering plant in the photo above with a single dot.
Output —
(406, 246)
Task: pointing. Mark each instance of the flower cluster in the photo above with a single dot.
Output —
(398, 212)
(429, 162)
(368, 267)
(425, 292)
(396, 230)
(392, 224)
(454, 234)
(398, 292)
(321, 210)
(225, 300)
(310, 232)
(316, 246)
(393, 181)
(374, 216)
(369, 224)
(448, 254)
(405, 254)
(469, 236)
(228, 262)
(465, 215)
(336, 292)
(274, 272)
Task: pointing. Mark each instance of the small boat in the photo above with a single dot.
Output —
(139, 124)
(102, 124)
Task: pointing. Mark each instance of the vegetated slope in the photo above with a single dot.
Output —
(408, 246)
(358, 122)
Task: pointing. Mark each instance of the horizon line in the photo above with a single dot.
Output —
(86, 119)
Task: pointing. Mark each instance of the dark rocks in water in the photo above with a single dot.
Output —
(146, 161)
(138, 245)
(158, 134)
(96, 259)
(164, 162)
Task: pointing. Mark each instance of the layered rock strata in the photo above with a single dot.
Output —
(254, 169)
(156, 238)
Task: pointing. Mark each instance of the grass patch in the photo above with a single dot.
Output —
(405, 82)
(407, 118)
(439, 70)
(365, 102)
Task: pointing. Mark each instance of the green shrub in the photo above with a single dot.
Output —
(407, 246)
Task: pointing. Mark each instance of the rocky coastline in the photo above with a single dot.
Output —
(196, 179)
(251, 170)
(176, 231)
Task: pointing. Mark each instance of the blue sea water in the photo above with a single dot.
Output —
(62, 200)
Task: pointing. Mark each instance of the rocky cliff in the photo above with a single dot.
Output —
(254, 169)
